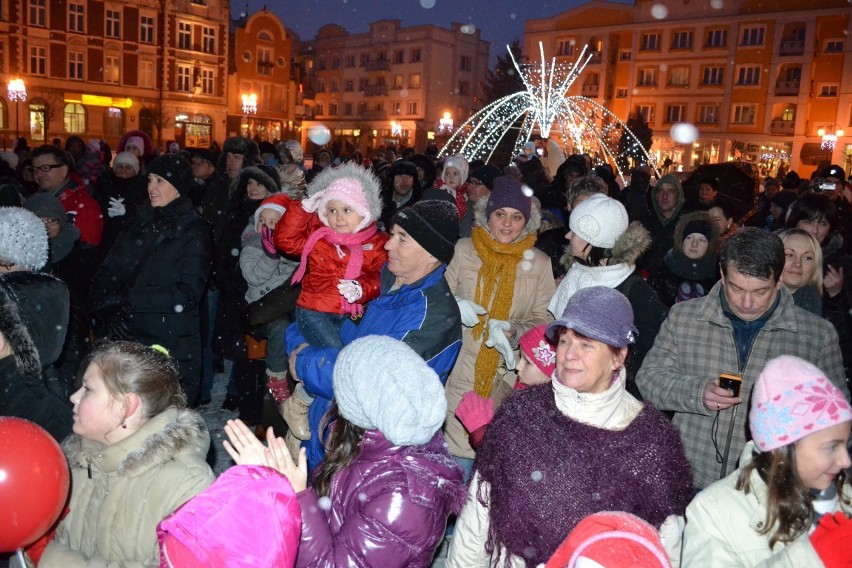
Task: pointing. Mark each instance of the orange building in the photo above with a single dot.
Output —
(763, 81)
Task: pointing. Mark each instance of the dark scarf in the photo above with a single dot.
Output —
(62, 244)
(547, 472)
(704, 268)
(745, 331)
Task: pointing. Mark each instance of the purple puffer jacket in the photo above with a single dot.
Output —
(388, 508)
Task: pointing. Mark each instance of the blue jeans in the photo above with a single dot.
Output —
(320, 329)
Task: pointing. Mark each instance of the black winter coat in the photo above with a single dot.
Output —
(135, 194)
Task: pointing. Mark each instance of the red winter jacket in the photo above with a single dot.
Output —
(325, 265)
(82, 209)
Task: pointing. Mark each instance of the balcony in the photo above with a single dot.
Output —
(792, 47)
(781, 126)
(597, 57)
(377, 65)
(783, 88)
(374, 114)
(591, 89)
(376, 91)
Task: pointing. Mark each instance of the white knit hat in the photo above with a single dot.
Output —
(458, 162)
(23, 238)
(599, 220)
(380, 383)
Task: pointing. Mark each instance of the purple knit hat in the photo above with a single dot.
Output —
(508, 192)
(792, 398)
(599, 313)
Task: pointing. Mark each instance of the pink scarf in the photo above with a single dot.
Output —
(351, 241)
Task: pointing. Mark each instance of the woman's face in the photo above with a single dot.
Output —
(506, 224)
(718, 217)
(577, 246)
(124, 171)
(822, 455)
(799, 263)
(96, 413)
(584, 364)
(160, 191)
(452, 177)
(818, 227)
(256, 190)
(695, 246)
(529, 373)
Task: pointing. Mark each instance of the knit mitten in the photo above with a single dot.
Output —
(832, 540)
(475, 411)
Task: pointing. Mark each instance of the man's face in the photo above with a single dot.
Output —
(53, 177)
(201, 168)
(748, 296)
(476, 190)
(666, 196)
(407, 260)
(233, 164)
(402, 184)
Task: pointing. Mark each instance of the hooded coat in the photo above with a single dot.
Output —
(661, 228)
(122, 491)
(534, 286)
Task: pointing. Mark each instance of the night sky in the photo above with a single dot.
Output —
(500, 20)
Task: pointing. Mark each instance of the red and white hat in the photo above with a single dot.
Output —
(539, 349)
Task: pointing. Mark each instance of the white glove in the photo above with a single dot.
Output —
(498, 340)
(470, 312)
(116, 207)
(350, 289)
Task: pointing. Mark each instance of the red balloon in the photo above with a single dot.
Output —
(34, 482)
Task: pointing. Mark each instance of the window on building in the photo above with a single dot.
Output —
(335, 63)
(350, 61)
(113, 122)
(363, 83)
(789, 114)
(682, 40)
(650, 41)
(75, 118)
(675, 113)
(412, 107)
(362, 107)
(398, 82)
(621, 93)
(752, 35)
(76, 18)
(332, 109)
(708, 114)
(396, 107)
(184, 78)
(208, 81)
(38, 14)
(399, 56)
(38, 60)
(146, 74)
(350, 86)
(466, 63)
(678, 76)
(716, 38)
(113, 23)
(414, 81)
(646, 112)
(625, 55)
(415, 56)
(828, 90)
(647, 77)
(380, 81)
(112, 70)
(208, 39)
(565, 47)
(347, 109)
(748, 75)
(184, 35)
(321, 64)
(146, 29)
(380, 106)
(713, 75)
(464, 88)
(365, 58)
(320, 108)
(335, 85)
(264, 61)
(75, 65)
(744, 114)
(321, 86)
(833, 46)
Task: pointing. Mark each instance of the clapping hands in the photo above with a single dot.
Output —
(245, 449)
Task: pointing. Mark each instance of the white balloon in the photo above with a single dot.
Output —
(684, 133)
(659, 11)
(427, 4)
(319, 134)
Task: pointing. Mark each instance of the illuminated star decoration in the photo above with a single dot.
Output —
(581, 124)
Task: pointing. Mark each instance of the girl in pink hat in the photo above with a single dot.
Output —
(788, 504)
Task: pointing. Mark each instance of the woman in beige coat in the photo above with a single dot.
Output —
(136, 455)
(503, 285)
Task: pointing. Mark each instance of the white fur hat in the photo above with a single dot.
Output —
(380, 383)
(599, 220)
(23, 238)
(458, 162)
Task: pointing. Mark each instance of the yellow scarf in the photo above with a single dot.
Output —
(495, 288)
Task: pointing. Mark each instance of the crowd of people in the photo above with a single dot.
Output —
(510, 366)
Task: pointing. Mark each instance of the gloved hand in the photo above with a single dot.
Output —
(116, 207)
(498, 340)
(832, 540)
(470, 312)
(475, 411)
(350, 289)
(266, 239)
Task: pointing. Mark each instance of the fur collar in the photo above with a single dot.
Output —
(161, 439)
(532, 226)
(368, 181)
(684, 220)
(23, 348)
(627, 248)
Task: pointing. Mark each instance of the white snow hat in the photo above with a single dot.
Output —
(599, 220)
(23, 238)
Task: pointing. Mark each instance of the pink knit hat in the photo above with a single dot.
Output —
(538, 348)
(347, 190)
(611, 539)
(793, 398)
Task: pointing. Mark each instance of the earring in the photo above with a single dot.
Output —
(124, 425)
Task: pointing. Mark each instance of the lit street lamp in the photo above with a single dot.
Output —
(829, 139)
(249, 103)
(445, 124)
(17, 92)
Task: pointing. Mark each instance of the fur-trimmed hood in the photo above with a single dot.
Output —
(684, 220)
(368, 181)
(627, 248)
(171, 433)
(264, 175)
(532, 226)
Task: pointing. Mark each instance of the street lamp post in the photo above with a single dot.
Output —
(17, 92)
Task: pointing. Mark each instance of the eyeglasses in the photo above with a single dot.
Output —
(44, 169)
(51, 222)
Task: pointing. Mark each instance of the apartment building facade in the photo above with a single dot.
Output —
(764, 83)
(391, 85)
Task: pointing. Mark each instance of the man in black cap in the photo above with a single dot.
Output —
(415, 306)
(480, 184)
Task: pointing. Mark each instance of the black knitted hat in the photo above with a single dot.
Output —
(174, 170)
(433, 224)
